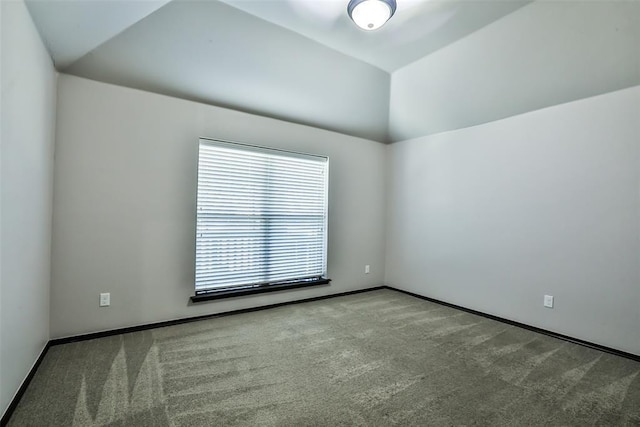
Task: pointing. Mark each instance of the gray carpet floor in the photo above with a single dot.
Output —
(376, 358)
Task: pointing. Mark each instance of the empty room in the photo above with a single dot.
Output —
(320, 212)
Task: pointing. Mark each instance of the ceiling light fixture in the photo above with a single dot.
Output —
(371, 14)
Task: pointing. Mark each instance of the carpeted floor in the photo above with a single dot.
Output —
(375, 358)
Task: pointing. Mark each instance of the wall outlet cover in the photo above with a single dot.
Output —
(548, 301)
(105, 299)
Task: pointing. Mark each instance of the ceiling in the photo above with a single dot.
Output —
(299, 60)
(437, 65)
(73, 28)
(418, 28)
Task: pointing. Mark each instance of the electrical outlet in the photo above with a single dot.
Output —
(548, 301)
(367, 270)
(105, 299)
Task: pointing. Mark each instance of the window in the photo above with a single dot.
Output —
(261, 219)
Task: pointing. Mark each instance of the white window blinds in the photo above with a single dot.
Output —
(261, 216)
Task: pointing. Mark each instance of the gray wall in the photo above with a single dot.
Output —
(28, 120)
(124, 205)
(495, 216)
(543, 54)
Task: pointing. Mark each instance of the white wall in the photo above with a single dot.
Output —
(28, 121)
(495, 216)
(124, 205)
(544, 54)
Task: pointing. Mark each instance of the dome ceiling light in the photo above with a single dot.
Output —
(371, 14)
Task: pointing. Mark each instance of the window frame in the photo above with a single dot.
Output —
(257, 288)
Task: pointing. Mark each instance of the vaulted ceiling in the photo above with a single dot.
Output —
(299, 60)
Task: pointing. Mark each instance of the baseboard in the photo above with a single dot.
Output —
(23, 387)
(111, 332)
(16, 399)
(563, 337)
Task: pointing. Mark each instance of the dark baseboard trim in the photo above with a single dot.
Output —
(563, 337)
(147, 326)
(23, 387)
(14, 402)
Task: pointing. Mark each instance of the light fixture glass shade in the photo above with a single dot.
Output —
(371, 14)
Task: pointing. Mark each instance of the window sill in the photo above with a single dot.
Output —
(259, 289)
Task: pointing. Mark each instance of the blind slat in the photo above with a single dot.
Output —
(261, 216)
